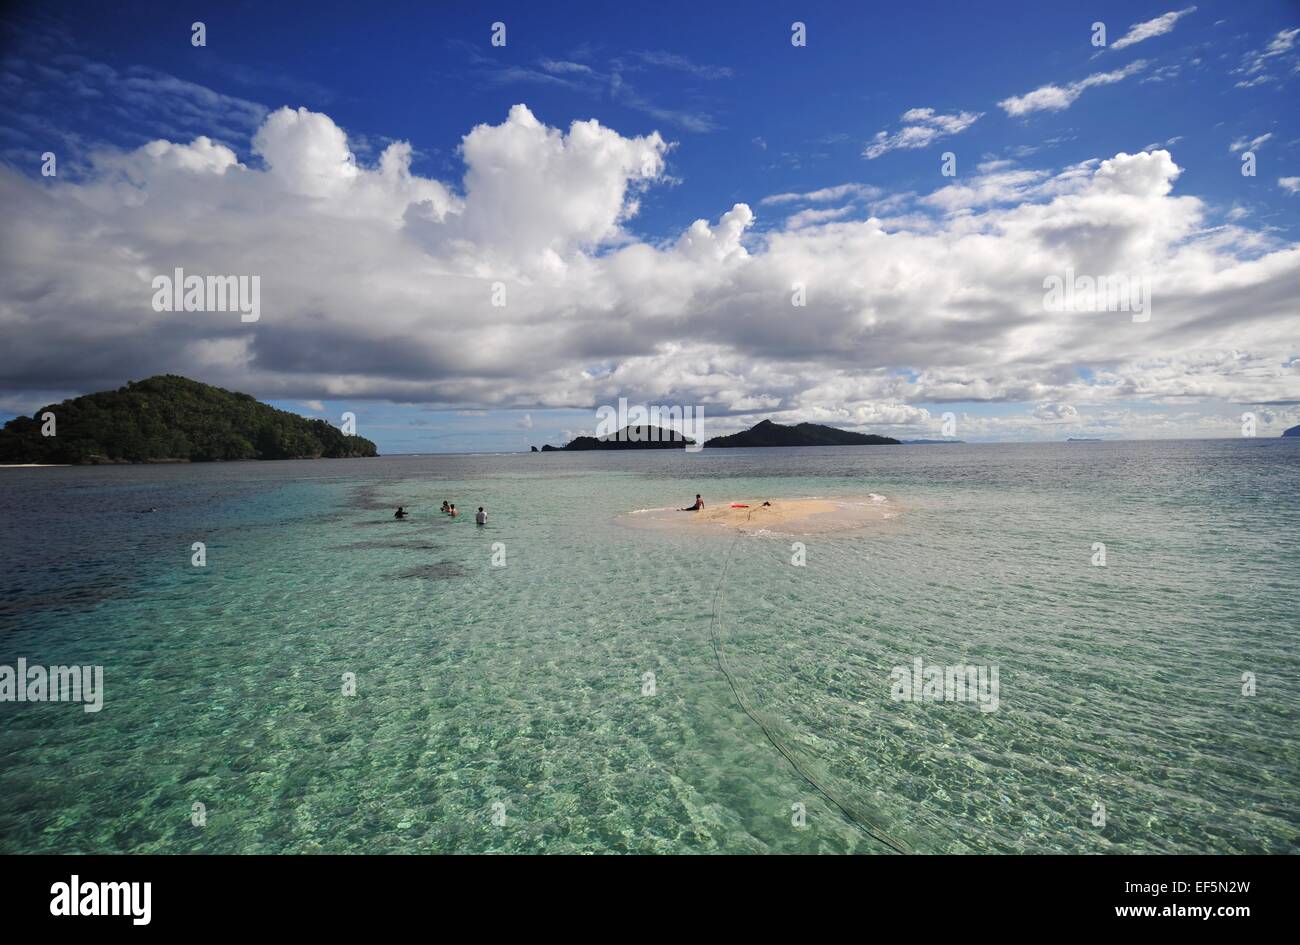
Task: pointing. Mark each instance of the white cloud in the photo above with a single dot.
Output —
(1164, 74)
(1280, 45)
(997, 187)
(1250, 144)
(1056, 98)
(562, 67)
(826, 194)
(1168, 143)
(812, 216)
(378, 283)
(307, 152)
(1149, 28)
(718, 243)
(667, 60)
(921, 128)
(541, 194)
(1290, 184)
(1056, 413)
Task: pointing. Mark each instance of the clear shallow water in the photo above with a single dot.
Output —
(522, 685)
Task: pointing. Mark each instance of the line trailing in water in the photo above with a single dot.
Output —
(861, 822)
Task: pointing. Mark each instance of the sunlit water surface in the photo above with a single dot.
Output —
(505, 708)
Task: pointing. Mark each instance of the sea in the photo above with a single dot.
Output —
(1111, 630)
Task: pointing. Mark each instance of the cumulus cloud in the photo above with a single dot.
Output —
(1056, 413)
(1290, 184)
(1055, 98)
(380, 283)
(1149, 28)
(921, 128)
(307, 152)
(540, 194)
(720, 242)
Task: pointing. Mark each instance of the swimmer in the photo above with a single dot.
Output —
(481, 517)
(400, 513)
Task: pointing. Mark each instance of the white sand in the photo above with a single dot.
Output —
(785, 516)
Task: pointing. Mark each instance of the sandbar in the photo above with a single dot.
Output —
(784, 516)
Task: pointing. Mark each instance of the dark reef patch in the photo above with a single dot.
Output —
(439, 571)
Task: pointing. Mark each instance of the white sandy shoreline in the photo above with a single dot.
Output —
(785, 516)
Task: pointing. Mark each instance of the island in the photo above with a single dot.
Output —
(1293, 431)
(170, 419)
(632, 437)
(767, 433)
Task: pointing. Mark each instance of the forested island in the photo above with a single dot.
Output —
(764, 433)
(767, 433)
(632, 437)
(169, 418)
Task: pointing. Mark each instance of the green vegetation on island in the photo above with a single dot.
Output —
(767, 433)
(633, 437)
(171, 419)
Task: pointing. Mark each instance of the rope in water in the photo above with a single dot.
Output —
(859, 821)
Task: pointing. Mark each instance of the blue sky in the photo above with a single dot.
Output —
(1015, 91)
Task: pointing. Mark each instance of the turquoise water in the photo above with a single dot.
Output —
(501, 708)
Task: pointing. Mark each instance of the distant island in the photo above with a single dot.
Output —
(1083, 439)
(1293, 431)
(930, 442)
(629, 438)
(171, 419)
(767, 433)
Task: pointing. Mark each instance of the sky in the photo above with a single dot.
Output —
(472, 245)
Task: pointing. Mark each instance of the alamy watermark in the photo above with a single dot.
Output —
(181, 293)
(55, 684)
(1112, 293)
(79, 898)
(921, 683)
(653, 424)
